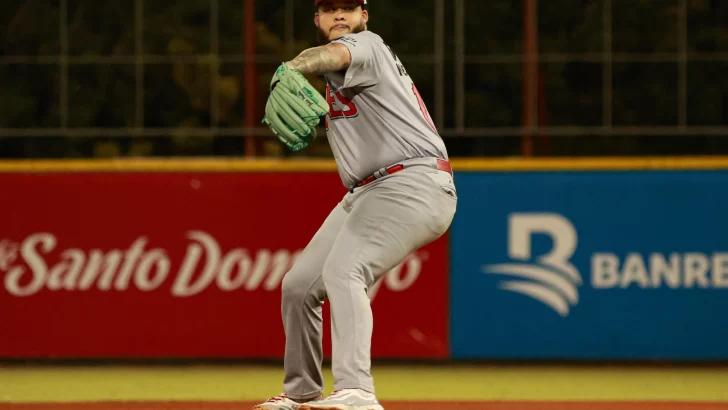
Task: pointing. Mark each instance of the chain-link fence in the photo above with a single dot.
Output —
(83, 78)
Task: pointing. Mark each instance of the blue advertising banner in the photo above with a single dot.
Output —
(590, 265)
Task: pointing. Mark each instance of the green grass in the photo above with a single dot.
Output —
(247, 382)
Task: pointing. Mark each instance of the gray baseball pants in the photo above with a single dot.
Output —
(368, 233)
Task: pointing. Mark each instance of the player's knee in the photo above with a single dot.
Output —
(297, 287)
(292, 286)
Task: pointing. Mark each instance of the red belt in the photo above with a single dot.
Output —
(442, 165)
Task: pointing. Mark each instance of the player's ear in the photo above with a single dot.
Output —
(316, 19)
(365, 16)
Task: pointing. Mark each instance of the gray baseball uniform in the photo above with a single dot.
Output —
(377, 116)
(377, 121)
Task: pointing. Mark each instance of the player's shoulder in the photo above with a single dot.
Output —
(365, 36)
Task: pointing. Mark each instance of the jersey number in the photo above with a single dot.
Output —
(403, 72)
(423, 108)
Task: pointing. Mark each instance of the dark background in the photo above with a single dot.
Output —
(89, 78)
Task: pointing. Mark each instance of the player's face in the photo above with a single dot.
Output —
(336, 18)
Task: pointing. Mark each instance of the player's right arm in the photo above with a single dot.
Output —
(355, 53)
(322, 60)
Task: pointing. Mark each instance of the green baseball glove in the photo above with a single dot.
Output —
(294, 108)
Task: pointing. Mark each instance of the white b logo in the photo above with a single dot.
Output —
(552, 279)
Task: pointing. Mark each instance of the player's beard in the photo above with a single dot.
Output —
(324, 37)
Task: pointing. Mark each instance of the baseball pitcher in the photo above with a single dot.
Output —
(401, 197)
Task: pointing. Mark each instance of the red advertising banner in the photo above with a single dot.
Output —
(138, 265)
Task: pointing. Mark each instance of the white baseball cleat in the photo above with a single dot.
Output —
(281, 402)
(346, 399)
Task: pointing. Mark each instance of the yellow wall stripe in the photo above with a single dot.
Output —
(325, 165)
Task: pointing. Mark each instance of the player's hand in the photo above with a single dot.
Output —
(294, 108)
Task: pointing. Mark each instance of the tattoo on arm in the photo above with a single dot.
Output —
(320, 60)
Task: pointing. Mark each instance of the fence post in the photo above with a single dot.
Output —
(251, 75)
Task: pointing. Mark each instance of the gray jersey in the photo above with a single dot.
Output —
(377, 117)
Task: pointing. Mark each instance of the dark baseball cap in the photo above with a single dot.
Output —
(361, 2)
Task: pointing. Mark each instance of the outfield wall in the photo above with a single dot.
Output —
(610, 258)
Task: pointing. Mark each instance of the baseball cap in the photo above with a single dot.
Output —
(361, 2)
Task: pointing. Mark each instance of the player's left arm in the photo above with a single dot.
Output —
(321, 60)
